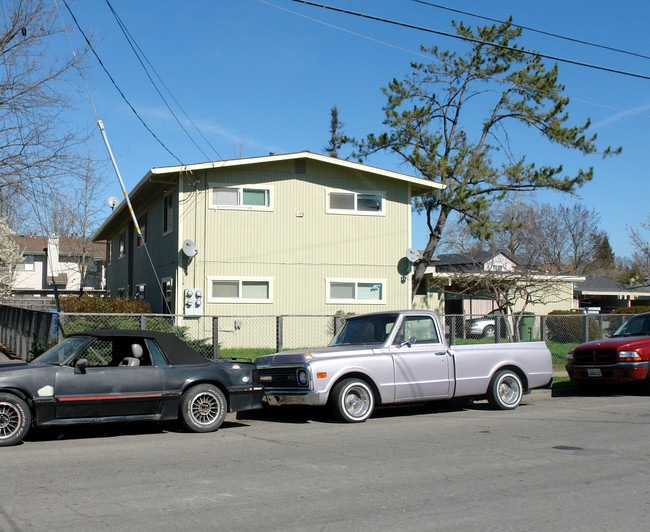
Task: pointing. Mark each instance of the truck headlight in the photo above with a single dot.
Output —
(301, 376)
(569, 356)
(629, 356)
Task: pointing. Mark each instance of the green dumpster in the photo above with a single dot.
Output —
(526, 326)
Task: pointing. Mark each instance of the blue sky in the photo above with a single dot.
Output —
(261, 76)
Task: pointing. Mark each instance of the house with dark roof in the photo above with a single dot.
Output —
(441, 292)
(607, 295)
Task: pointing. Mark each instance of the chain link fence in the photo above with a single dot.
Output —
(560, 332)
(253, 336)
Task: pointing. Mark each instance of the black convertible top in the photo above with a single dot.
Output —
(176, 351)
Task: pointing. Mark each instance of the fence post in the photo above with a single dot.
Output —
(278, 333)
(543, 329)
(586, 327)
(143, 322)
(338, 320)
(215, 337)
(497, 328)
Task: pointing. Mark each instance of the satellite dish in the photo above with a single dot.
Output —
(404, 266)
(112, 202)
(189, 248)
(412, 254)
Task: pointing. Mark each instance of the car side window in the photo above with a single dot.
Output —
(103, 353)
(156, 354)
(422, 328)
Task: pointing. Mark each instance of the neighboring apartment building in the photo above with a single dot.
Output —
(297, 233)
(57, 261)
(548, 292)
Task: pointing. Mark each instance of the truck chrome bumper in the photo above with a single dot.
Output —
(291, 397)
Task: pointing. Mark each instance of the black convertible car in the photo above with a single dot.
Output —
(118, 375)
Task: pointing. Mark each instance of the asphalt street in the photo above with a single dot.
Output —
(555, 463)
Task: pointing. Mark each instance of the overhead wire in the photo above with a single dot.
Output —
(413, 52)
(140, 55)
(469, 39)
(528, 28)
(92, 49)
(110, 153)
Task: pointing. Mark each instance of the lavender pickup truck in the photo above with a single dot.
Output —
(401, 357)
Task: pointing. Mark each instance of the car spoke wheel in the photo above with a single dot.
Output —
(352, 400)
(15, 419)
(506, 390)
(203, 408)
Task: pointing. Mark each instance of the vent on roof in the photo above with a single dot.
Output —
(301, 166)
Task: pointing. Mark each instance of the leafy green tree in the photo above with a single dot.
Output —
(496, 85)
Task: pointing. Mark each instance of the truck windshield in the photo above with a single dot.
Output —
(367, 330)
(637, 326)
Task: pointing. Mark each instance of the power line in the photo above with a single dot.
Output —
(527, 28)
(133, 44)
(117, 87)
(476, 41)
(413, 52)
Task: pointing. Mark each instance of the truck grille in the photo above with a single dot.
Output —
(595, 356)
(280, 377)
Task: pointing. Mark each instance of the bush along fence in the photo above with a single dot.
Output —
(27, 333)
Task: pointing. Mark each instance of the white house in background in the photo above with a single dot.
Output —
(557, 290)
(57, 261)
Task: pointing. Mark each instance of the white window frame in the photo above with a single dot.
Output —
(356, 193)
(240, 197)
(355, 300)
(240, 280)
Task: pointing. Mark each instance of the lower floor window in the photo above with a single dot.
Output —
(241, 289)
(355, 291)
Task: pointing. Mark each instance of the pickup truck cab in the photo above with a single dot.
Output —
(398, 357)
(621, 358)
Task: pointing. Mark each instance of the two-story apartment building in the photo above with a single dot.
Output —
(297, 233)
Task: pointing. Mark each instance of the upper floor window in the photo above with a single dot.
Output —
(109, 252)
(27, 264)
(250, 197)
(343, 201)
(168, 213)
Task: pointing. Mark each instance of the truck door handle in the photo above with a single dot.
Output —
(441, 353)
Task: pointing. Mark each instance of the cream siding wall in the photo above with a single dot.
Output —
(297, 243)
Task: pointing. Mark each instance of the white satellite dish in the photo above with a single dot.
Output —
(112, 202)
(189, 248)
(412, 254)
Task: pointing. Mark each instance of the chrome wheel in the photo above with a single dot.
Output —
(506, 390)
(10, 420)
(15, 419)
(206, 407)
(203, 408)
(352, 400)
